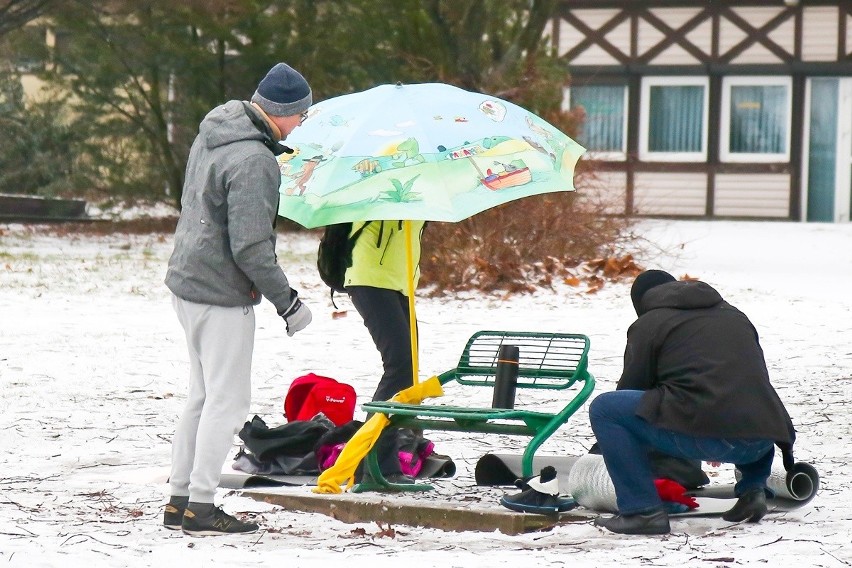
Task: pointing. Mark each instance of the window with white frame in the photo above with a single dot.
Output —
(756, 115)
(673, 120)
(604, 129)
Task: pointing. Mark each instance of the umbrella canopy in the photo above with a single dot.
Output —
(427, 151)
(430, 152)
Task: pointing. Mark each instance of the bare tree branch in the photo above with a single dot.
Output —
(15, 14)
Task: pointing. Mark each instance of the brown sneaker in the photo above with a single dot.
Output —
(205, 519)
(173, 515)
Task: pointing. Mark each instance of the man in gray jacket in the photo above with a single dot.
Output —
(223, 262)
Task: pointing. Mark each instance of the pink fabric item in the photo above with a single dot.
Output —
(411, 465)
(408, 464)
(327, 455)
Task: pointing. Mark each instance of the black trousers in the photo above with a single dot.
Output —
(386, 316)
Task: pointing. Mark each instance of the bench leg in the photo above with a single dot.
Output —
(542, 434)
(529, 452)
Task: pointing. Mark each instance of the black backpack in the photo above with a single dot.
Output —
(334, 255)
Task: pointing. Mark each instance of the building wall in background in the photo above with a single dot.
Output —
(701, 109)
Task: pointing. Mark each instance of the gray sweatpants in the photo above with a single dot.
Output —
(220, 342)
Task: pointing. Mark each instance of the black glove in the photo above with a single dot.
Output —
(297, 316)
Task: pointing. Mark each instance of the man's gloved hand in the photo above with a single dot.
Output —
(674, 492)
(297, 316)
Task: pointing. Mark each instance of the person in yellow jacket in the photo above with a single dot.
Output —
(377, 283)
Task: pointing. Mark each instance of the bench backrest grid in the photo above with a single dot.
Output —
(547, 360)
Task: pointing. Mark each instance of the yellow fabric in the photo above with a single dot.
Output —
(383, 264)
(359, 445)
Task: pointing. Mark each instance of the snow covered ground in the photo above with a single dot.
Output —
(93, 366)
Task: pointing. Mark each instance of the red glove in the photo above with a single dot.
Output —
(675, 492)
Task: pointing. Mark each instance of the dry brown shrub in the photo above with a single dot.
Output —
(531, 243)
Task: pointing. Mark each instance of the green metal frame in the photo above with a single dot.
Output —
(556, 361)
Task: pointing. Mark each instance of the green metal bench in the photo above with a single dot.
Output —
(547, 361)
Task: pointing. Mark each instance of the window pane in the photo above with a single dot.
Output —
(758, 119)
(676, 118)
(603, 129)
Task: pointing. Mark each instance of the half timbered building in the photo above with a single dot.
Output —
(711, 109)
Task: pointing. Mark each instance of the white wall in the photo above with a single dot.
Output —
(670, 193)
(752, 195)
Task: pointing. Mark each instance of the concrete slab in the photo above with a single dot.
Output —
(420, 511)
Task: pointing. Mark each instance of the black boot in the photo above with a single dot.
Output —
(750, 507)
(653, 522)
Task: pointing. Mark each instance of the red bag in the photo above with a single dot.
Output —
(311, 394)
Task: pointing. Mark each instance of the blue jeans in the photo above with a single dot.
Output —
(624, 439)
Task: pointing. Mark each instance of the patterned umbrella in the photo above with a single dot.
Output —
(419, 152)
(428, 151)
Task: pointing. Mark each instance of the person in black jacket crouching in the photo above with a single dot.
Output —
(694, 385)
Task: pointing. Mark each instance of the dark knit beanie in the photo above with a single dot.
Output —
(283, 92)
(645, 281)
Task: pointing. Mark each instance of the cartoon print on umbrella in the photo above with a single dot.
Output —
(457, 147)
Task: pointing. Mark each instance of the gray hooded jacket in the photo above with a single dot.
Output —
(225, 239)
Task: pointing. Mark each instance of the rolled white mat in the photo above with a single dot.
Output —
(799, 484)
(590, 485)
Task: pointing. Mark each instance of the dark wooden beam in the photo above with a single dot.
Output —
(646, 4)
(696, 167)
(795, 67)
(714, 118)
(797, 145)
(757, 35)
(593, 37)
(677, 36)
(634, 92)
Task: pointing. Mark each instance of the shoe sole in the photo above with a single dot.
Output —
(564, 505)
(213, 532)
(173, 527)
(641, 533)
(752, 516)
(529, 508)
(601, 523)
(646, 532)
(749, 519)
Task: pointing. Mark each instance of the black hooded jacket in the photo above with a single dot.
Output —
(700, 361)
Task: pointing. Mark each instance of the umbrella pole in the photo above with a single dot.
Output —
(409, 263)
